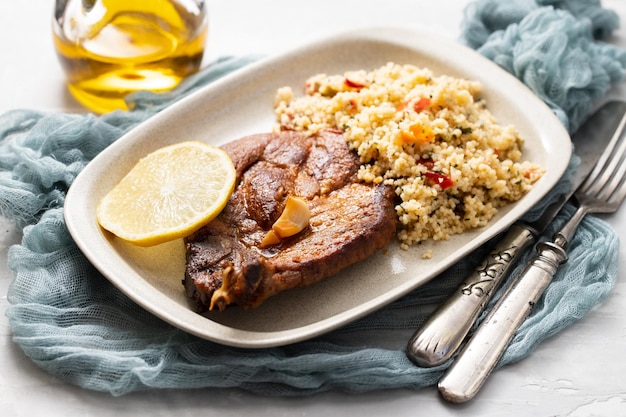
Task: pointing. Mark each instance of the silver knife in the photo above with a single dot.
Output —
(443, 332)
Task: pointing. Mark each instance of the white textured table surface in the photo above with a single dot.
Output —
(581, 372)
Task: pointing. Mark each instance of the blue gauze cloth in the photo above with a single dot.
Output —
(550, 50)
(77, 326)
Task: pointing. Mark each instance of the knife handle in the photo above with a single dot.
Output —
(482, 352)
(443, 332)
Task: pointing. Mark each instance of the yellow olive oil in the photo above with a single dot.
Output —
(111, 48)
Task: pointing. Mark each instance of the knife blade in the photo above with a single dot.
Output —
(442, 333)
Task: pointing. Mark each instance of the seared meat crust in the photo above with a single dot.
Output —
(349, 220)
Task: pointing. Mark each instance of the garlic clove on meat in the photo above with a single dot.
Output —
(294, 218)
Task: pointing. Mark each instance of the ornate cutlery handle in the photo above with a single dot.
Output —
(440, 336)
(483, 351)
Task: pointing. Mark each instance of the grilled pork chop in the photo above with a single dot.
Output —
(349, 220)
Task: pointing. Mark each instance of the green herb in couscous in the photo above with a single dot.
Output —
(430, 136)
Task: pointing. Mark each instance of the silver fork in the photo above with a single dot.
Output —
(602, 192)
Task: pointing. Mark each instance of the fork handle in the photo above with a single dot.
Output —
(443, 332)
(482, 352)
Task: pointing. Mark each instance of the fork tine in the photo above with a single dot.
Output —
(613, 177)
(608, 163)
(618, 195)
(591, 183)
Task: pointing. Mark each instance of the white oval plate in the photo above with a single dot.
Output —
(242, 103)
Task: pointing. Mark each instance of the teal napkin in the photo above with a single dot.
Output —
(74, 324)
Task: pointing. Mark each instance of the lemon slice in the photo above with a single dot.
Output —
(169, 194)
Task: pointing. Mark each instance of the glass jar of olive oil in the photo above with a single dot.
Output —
(111, 48)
